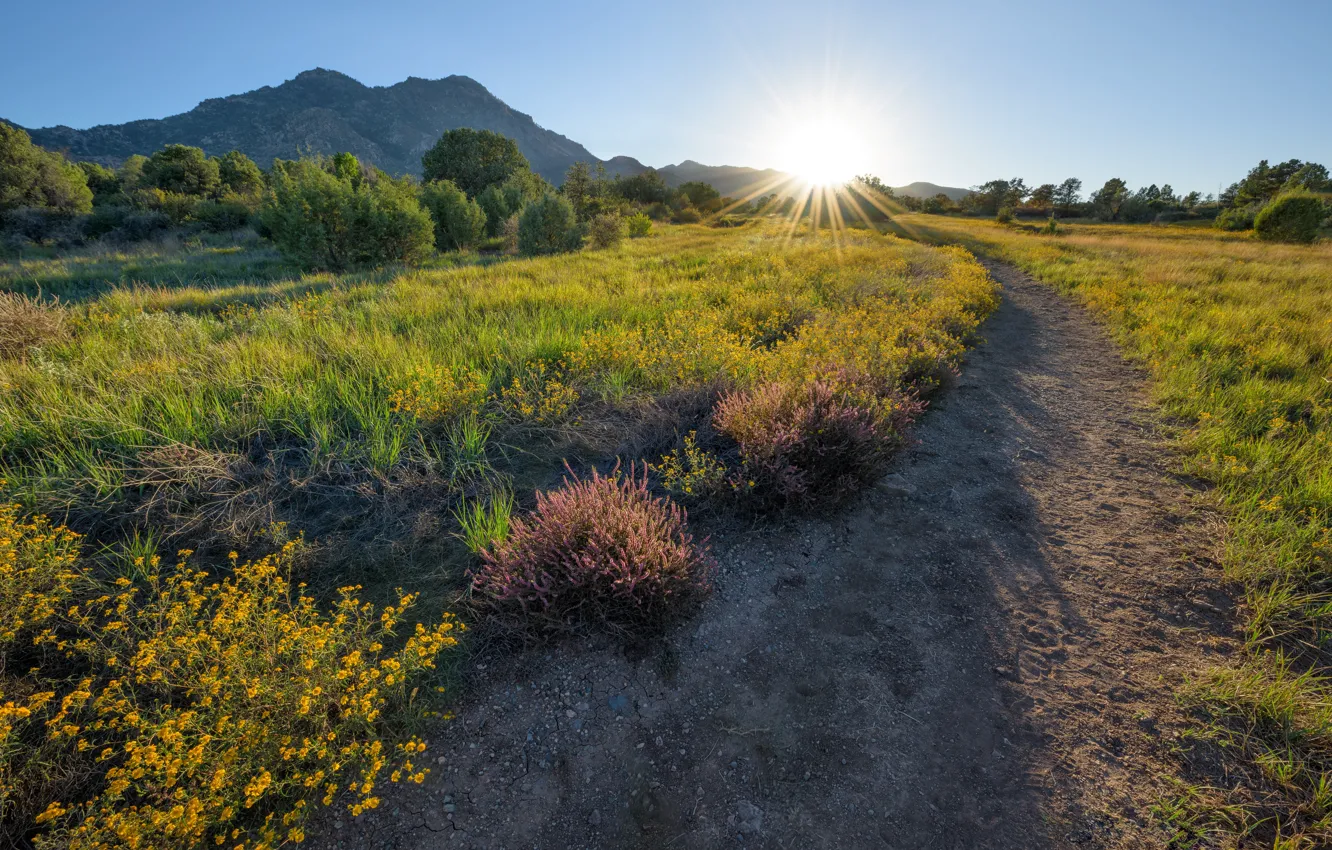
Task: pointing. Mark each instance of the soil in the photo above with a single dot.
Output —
(981, 652)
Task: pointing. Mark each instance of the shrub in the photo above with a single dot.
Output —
(1004, 216)
(804, 445)
(606, 230)
(548, 226)
(473, 159)
(41, 226)
(509, 234)
(459, 222)
(102, 181)
(1292, 217)
(639, 225)
(188, 711)
(221, 216)
(321, 221)
(599, 550)
(25, 322)
(1051, 226)
(182, 170)
(496, 208)
(33, 177)
(658, 211)
(141, 225)
(1236, 218)
(686, 215)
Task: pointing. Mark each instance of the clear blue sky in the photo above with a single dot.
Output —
(1187, 93)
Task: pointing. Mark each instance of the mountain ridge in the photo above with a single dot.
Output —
(326, 111)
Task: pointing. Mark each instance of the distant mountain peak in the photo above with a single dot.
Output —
(327, 111)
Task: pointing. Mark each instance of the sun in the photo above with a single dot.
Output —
(823, 149)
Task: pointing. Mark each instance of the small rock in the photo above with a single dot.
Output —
(896, 485)
(619, 703)
(748, 819)
(595, 818)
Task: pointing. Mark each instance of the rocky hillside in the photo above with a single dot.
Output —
(326, 112)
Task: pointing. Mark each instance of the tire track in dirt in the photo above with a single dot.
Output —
(979, 653)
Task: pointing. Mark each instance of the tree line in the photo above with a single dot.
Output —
(1288, 201)
(336, 212)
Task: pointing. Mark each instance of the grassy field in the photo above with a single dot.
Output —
(1237, 335)
(203, 399)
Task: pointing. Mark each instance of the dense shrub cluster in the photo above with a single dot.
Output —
(183, 709)
(599, 550)
(548, 226)
(1292, 217)
(459, 221)
(322, 219)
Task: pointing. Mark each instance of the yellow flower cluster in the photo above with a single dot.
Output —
(213, 710)
(37, 571)
(691, 471)
(539, 395)
(436, 395)
(688, 348)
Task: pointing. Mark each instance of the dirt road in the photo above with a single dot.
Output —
(980, 653)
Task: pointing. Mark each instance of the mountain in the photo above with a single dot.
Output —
(731, 180)
(324, 111)
(929, 190)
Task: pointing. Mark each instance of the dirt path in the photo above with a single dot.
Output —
(977, 654)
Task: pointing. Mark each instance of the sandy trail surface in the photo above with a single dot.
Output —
(981, 652)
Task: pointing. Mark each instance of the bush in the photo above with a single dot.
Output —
(221, 216)
(182, 170)
(599, 550)
(1236, 218)
(658, 211)
(473, 160)
(806, 445)
(31, 225)
(606, 230)
(25, 322)
(33, 177)
(496, 209)
(459, 222)
(185, 711)
(686, 215)
(1292, 217)
(1004, 216)
(321, 221)
(639, 225)
(548, 226)
(137, 226)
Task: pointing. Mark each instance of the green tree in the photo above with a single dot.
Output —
(33, 177)
(1042, 197)
(1292, 217)
(1067, 195)
(548, 226)
(130, 173)
(239, 175)
(473, 159)
(579, 187)
(648, 187)
(102, 181)
(701, 195)
(496, 208)
(182, 170)
(1109, 200)
(459, 222)
(322, 221)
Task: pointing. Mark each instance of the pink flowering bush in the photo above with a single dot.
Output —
(804, 444)
(599, 550)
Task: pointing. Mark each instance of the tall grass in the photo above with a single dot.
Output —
(1237, 335)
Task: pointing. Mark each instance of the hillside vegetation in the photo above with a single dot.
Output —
(400, 418)
(1237, 335)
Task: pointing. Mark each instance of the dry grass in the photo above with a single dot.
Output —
(26, 322)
